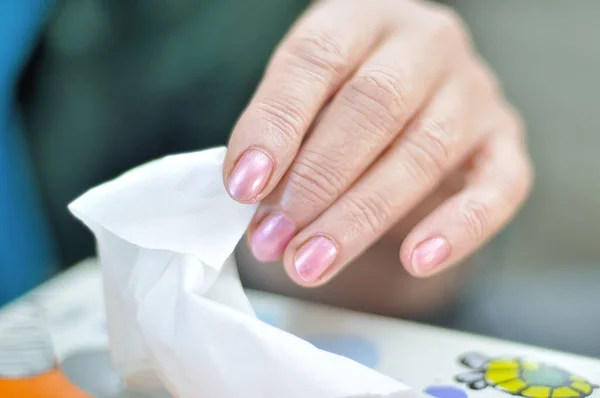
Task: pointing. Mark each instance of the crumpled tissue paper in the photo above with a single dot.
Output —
(177, 314)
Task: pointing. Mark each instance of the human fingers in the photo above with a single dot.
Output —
(364, 117)
(438, 138)
(308, 67)
(497, 186)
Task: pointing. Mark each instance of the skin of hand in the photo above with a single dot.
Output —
(375, 282)
(368, 111)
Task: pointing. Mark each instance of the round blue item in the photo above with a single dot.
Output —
(353, 347)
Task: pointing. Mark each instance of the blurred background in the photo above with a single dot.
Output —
(90, 88)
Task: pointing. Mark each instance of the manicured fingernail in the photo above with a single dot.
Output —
(250, 175)
(429, 254)
(269, 239)
(314, 257)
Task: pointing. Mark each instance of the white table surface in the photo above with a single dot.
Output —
(70, 307)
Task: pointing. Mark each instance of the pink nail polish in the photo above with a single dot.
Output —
(314, 257)
(250, 175)
(429, 254)
(270, 238)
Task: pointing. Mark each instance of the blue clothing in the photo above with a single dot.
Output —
(26, 254)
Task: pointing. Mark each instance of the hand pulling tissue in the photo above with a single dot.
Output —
(178, 317)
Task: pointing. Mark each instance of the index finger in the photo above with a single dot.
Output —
(309, 66)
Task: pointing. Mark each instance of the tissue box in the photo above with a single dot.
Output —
(54, 344)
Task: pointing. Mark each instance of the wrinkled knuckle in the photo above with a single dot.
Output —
(320, 52)
(430, 149)
(313, 178)
(370, 213)
(436, 135)
(476, 217)
(380, 94)
(285, 119)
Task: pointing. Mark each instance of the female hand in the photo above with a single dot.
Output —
(365, 109)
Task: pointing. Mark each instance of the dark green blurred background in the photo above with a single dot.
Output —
(114, 83)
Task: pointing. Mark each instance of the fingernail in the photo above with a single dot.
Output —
(250, 175)
(429, 254)
(314, 257)
(269, 239)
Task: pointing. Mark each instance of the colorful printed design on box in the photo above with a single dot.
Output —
(524, 378)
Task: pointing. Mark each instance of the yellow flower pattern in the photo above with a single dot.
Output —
(528, 379)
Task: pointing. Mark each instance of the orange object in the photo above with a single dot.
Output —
(52, 384)
(29, 369)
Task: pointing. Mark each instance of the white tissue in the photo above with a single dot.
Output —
(177, 313)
